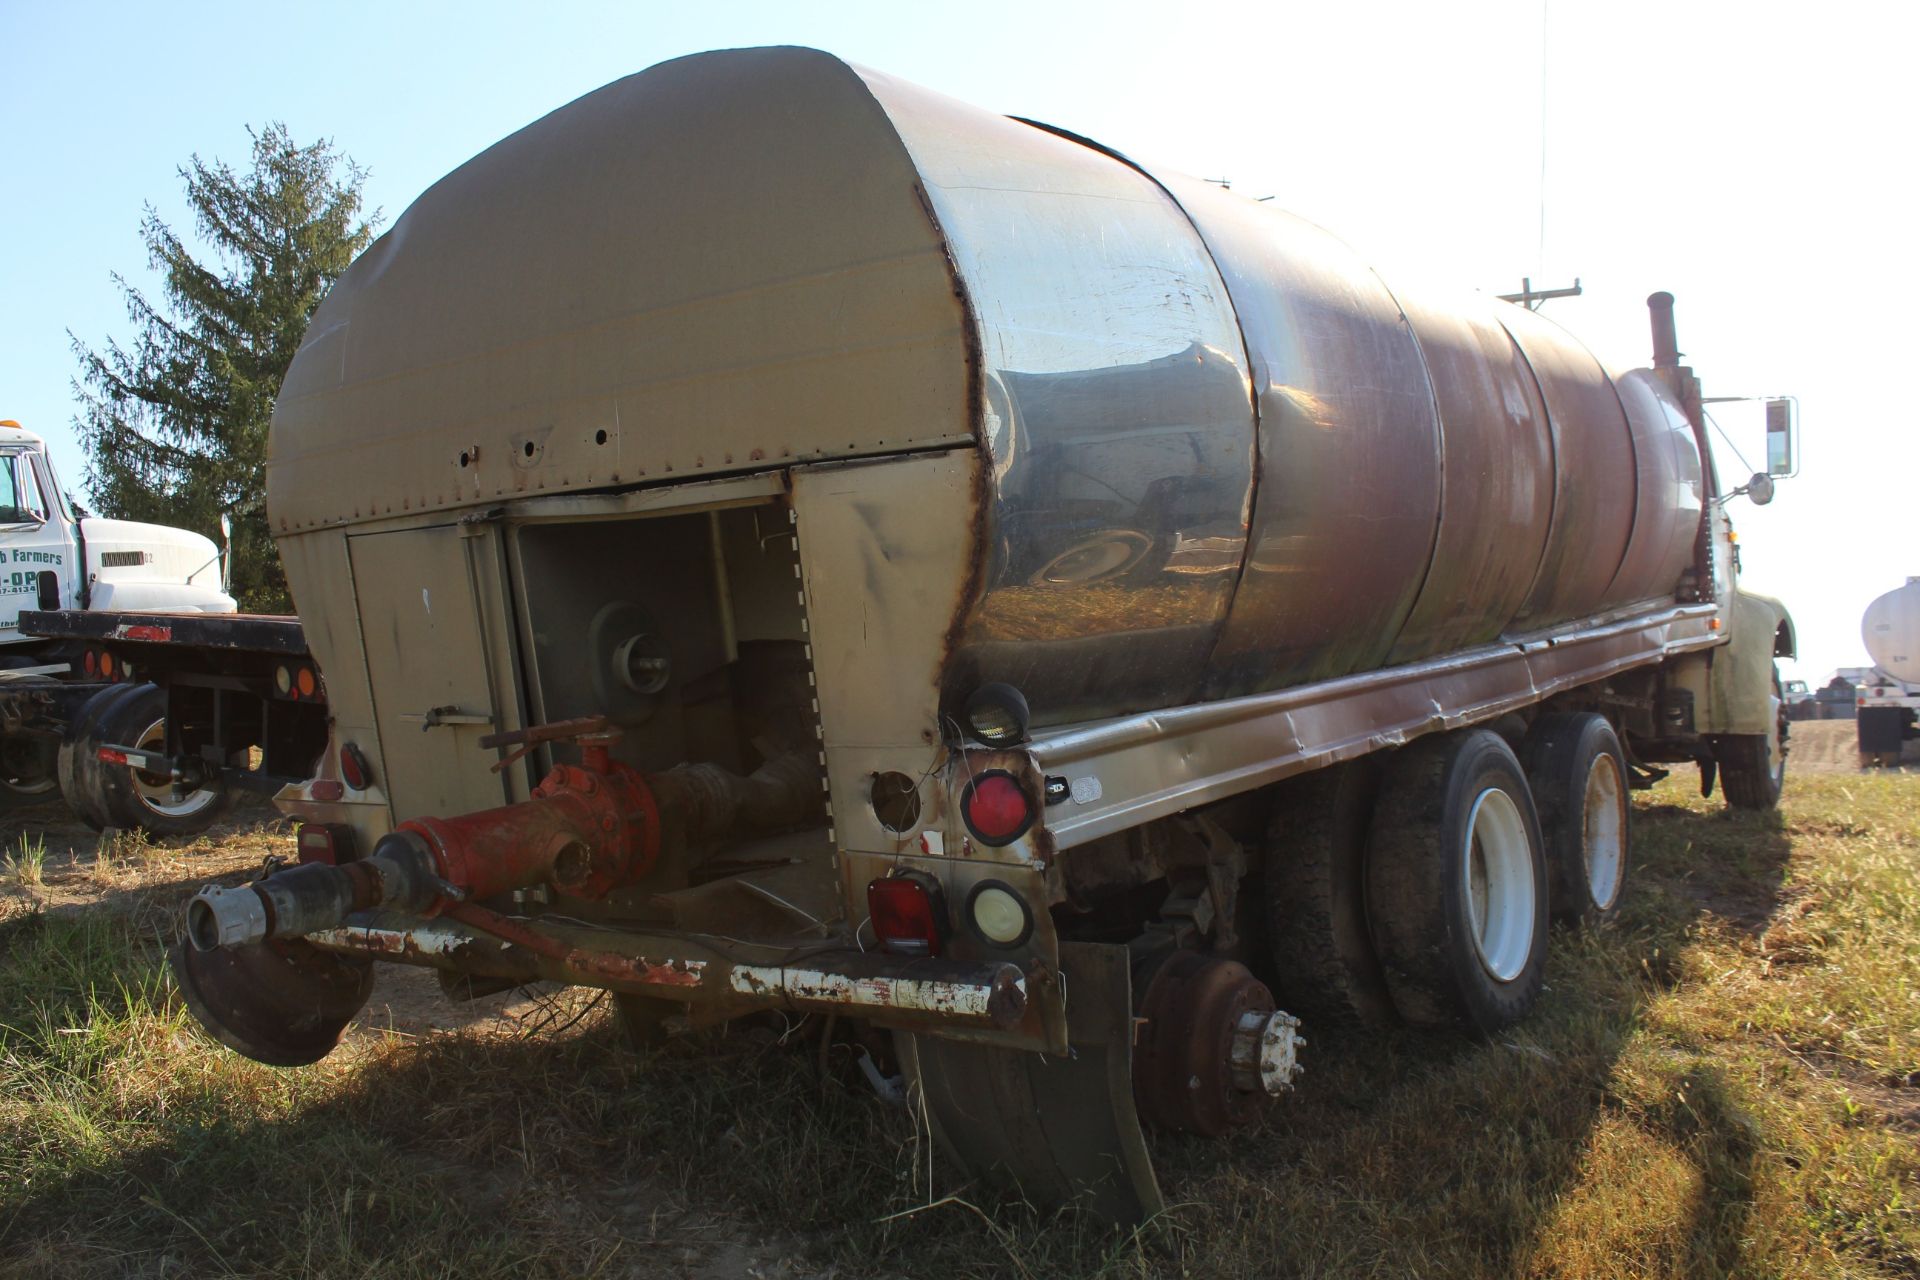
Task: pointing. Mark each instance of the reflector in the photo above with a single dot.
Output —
(354, 769)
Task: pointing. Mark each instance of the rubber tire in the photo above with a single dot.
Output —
(644, 1019)
(1559, 754)
(1417, 898)
(1314, 892)
(121, 725)
(1748, 777)
(78, 768)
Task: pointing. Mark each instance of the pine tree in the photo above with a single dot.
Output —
(175, 423)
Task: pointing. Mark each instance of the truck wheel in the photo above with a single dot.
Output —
(643, 1019)
(134, 798)
(29, 763)
(1578, 775)
(1315, 890)
(28, 769)
(1456, 883)
(1753, 766)
(77, 767)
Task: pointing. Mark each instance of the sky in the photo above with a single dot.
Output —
(1757, 160)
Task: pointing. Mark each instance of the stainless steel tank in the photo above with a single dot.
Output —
(1219, 453)
(1891, 630)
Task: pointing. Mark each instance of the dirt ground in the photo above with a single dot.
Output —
(1832, 746)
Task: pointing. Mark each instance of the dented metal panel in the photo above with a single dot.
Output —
(1149, 766)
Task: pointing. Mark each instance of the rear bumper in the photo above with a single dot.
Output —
(997, 999)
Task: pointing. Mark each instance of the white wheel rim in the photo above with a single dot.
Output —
(1604, 836)
(155, 792)
(1497, 861)
(1776, 758)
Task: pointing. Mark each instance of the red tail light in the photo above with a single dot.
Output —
(328, 842)
(908, 913)
(997, 808)
(354, 769)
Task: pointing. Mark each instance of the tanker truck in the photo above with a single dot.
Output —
(780, 539)
(1888, 697)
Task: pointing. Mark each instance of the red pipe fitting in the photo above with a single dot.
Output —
(586, 830)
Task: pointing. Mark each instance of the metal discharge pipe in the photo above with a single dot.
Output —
(588, 829)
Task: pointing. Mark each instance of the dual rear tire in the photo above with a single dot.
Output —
(104, 795)
(1420, 889)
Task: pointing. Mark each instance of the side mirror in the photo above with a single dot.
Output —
(1783, 435)
(1760, 489)
(226, 552)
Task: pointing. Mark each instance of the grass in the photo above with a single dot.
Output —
(1725, 1082)
(25, 864)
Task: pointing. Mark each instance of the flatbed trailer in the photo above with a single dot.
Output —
(176, 712)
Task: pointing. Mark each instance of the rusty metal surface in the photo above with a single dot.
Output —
(1349, 450)
(1184, 1072)
(1136, 768)
(1669, 492)
(716, 974)
(1116, 412)
(1497, 491)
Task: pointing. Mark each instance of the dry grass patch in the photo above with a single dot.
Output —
(1723, 1083)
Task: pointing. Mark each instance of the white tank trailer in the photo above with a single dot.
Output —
(778, 538)
(1889, 698)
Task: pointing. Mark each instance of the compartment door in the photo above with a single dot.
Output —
(426, 664)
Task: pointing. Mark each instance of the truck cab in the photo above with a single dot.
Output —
(53, 558)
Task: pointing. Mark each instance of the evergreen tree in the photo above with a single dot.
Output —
(175, 423)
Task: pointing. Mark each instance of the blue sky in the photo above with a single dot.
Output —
(1755, 159)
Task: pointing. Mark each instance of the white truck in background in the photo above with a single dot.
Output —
(53, 558)
(1889, 697)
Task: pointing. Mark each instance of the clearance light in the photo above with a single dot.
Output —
(999, 916)
(996, 808)
(907, 913)
(354, 769)
(997, 715)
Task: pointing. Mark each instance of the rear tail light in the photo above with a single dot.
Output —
(996, 808)
(92, 663)
(908, 912)
(327, 842)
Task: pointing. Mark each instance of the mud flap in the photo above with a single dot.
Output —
(1056, 1130)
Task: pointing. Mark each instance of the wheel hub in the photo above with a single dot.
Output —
(1211, 1048)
